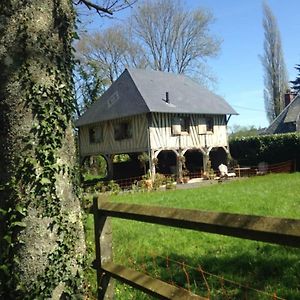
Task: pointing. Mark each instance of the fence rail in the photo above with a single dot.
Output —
(266, 229)
(281, 231)
(147, 284)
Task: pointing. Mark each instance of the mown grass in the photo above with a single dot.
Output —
(271, 268)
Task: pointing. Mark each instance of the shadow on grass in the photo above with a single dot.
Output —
(271, 269)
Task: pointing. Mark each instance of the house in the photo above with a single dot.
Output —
(289, 119)
(178, 123)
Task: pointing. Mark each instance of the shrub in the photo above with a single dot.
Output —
(159, 180)
(269, 148)
(113, 187)
(100, 187)
(170, 183)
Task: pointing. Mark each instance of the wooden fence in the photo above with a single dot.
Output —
(267, 229)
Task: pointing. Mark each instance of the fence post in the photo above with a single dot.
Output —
(103, 249)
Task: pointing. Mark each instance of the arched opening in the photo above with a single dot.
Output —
(166, 162)
(94, 168)
(129, 165)
(217, 156)
(193, 162)
(95, 165)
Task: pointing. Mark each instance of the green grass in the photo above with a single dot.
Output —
(272, 268)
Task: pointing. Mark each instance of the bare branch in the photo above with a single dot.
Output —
(107, 9)
(175, 38)
(91, 5)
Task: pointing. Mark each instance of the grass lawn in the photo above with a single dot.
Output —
(177, 255)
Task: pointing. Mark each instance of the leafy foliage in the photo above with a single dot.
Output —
(242, 131)
(269, 148)
(89, 85)
(144, 159)
(41, 234)
(41, 67)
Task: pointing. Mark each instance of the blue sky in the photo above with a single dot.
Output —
(238, 68)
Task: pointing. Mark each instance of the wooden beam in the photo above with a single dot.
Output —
(266, 229)
(147, 284)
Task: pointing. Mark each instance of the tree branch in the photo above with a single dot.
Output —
(110, 8)
(91, 5)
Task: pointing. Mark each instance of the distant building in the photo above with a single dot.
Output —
(170, 117)
(289, 119)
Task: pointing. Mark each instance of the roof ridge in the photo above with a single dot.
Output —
(134, 83)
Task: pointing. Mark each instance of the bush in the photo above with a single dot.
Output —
(170, 183)
(269, 148)
(159, 180)
(113, 187)
(103, 187)
(100, 187)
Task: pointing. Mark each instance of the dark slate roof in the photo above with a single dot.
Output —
(286, 120)
(139, 91)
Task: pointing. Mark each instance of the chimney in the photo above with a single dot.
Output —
(167, 97)
(288, 97)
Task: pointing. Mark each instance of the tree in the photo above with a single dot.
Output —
(102, 58)
(41, 234)
(111, 50)
(175, 39)
(238, 131)
(275, 74)
(296, 82)
(90, 83)
(161, 35)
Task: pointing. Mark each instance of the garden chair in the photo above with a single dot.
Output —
(262, 168)
(224, 172)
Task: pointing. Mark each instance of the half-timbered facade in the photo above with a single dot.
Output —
(168, 116)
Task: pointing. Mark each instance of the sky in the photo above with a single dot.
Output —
(238, 69)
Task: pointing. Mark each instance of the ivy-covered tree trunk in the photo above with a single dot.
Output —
(41, 233)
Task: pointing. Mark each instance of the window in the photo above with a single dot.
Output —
(210, 124)
(185, 124)
(123, 131)
(96, 134)
(181, 125)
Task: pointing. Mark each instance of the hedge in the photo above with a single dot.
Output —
(269, 148)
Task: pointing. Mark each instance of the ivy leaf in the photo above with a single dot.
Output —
(3, 212)
(21, 210)
(45, 181)
(4, 269)
(61, 86)
(7, 238)
(19, 224)
(75, 36)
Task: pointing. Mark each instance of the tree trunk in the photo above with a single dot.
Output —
(41, 233)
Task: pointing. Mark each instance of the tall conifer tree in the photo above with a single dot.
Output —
(275, 74)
